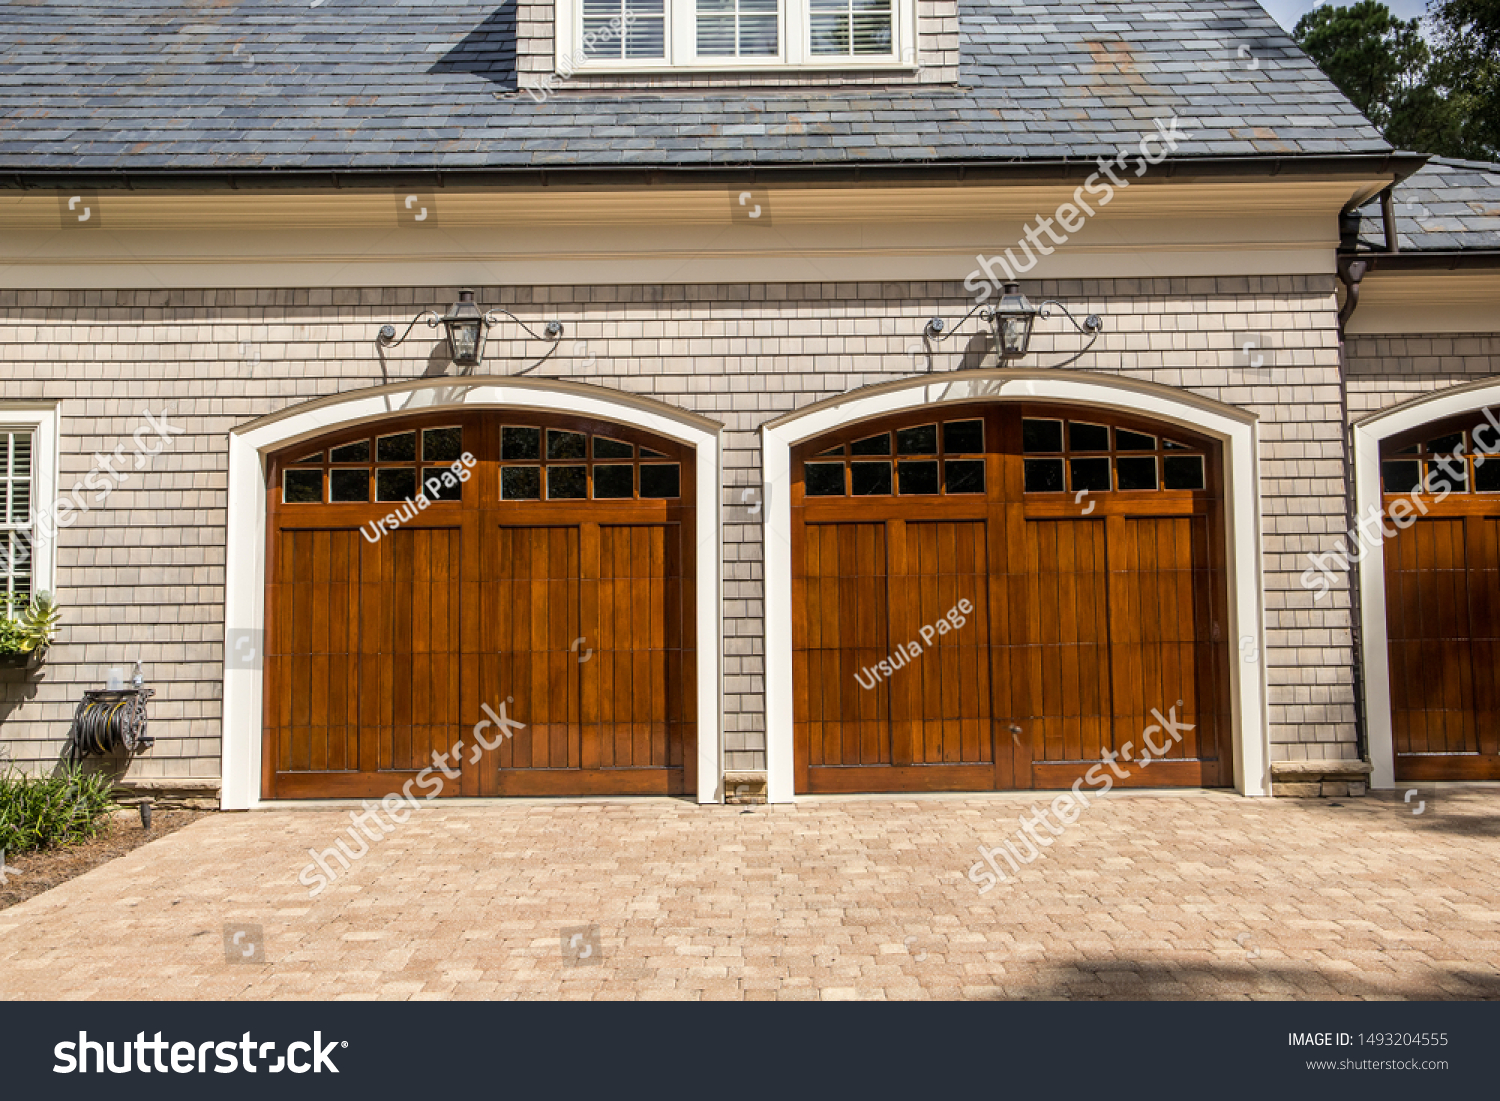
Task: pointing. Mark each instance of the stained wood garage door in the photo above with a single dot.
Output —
(1442, 598)
(1087, 609)
(552, 584)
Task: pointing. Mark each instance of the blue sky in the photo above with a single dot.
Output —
(1287, 12)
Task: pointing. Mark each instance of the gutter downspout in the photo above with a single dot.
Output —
(1350, 273)
(1388, 216)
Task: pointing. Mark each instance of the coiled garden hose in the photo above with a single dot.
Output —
(107, 720)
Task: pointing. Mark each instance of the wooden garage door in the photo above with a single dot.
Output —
(1026, 626)
(1442, 596)
(550, 587)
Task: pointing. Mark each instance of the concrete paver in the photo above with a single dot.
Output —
(1202, 895)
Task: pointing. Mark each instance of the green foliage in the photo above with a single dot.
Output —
(32, 628)
(11, 636)
(1371, 55)
(1442, 98)
(1468, 66)
(37, 812)
(39, 622)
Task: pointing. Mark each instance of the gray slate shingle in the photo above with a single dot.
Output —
(357, 84)
(1446, 206)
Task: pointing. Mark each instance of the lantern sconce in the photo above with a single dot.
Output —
(466, 328)
(1012, 320)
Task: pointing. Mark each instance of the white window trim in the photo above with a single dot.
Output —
(682, 38)
(250, 446)
(42, 419)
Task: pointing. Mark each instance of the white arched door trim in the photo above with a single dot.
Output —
(244, 566)
(1369, 434)
(1235, 428)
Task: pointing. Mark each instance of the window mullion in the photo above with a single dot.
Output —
(682, 40)
(794, 31)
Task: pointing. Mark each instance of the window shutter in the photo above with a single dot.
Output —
(16, 469)
(633, 29)
(851, 27)
(737, 28)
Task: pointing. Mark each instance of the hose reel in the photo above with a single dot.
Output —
(107, 720)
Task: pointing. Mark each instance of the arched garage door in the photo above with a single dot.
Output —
(1036, 582)
(1442, 598)
(552, 582)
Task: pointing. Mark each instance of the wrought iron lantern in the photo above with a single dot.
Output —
(1012, 320)
(466, 331)
(466, 327)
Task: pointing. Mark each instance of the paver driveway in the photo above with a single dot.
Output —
(1146, 896)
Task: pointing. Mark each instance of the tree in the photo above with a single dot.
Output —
(1468, 67)
(1386, 68)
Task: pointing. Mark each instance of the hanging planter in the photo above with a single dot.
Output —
(30, 659)
(25, 637)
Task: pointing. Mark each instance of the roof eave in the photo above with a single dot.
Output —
(1446, 260)
(1381, 164)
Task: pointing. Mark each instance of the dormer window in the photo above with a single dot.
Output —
(655, 36)
(738, 28)
(851, 28)
(635, 30)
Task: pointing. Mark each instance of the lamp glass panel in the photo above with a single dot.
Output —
(463, 336)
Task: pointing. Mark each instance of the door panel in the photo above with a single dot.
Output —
(947, 692)
(1441, 578)
(1166, 649)
(1442, 595)
(639, 648)
(844, 617)
(362, 659)
(528, 661)
(1068, 570)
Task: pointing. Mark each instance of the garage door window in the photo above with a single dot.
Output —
(931, 460)
(1462, 460)
(403, 463)
(1102, 458)
(573, 466)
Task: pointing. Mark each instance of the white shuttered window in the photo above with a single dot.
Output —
(17, 451)
(654, 36)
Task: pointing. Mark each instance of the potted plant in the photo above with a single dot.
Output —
(24, 637)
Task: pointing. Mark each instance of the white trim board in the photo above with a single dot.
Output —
(244, 589)
(1236, 429)
(1369, 434)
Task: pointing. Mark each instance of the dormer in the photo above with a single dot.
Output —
(580, 44)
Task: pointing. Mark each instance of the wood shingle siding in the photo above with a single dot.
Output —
(143, 576)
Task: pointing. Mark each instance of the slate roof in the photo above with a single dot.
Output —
(364, 85)
(1448, 205)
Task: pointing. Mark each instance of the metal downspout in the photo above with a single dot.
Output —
(1350, 273)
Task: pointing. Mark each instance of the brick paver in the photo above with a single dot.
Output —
(1200, 895)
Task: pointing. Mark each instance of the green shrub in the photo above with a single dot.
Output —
(37, 812)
